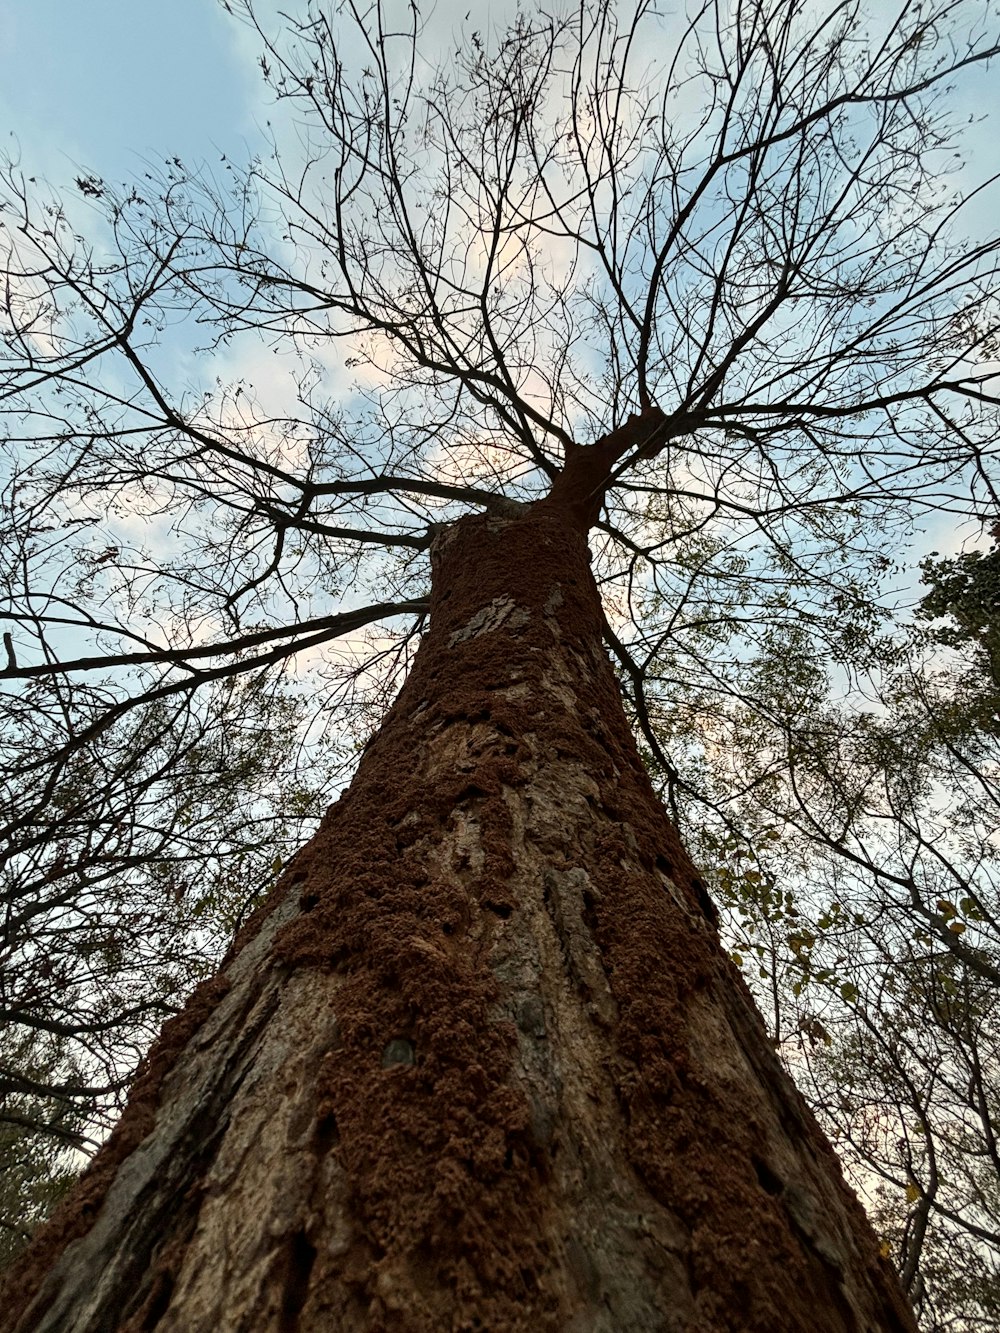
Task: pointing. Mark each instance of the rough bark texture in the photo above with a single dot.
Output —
(480, 1063)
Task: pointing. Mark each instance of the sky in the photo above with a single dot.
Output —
(105, 85)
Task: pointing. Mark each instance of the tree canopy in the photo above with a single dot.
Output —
(240, 400)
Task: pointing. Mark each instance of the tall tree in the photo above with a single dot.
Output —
(698, 292)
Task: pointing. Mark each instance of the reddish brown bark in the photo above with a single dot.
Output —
(481, 1062)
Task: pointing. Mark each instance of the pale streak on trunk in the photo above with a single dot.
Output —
(483, 1065)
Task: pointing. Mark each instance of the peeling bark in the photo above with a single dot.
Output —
(480, 1063)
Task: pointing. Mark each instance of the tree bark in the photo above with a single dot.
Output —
(480, 1062)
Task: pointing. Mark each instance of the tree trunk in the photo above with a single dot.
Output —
(480, 1063)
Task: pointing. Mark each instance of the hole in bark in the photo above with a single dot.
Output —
(447, 928)
(301, 1257)
(704, 901)
(159, 1300)
(502, 910)
(399, 1051)
(471, 793)
(308, 901)
(589, 911)
(327, 1132)
(769, 1182)
(664, 867)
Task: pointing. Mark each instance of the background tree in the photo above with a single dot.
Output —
(751, 238)
(857, 856)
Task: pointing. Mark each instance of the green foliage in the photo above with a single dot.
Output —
(966, 590)
(42, 1147)
(964, 608)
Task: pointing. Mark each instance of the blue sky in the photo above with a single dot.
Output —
(105, 85)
